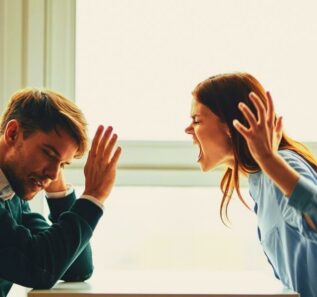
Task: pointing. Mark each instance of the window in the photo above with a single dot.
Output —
(136, 65)
(138, 61)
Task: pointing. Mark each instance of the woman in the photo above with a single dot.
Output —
(234, 124)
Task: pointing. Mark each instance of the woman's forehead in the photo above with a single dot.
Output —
(198, 108)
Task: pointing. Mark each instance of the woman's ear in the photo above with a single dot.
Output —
(227, 131)
(11, 132)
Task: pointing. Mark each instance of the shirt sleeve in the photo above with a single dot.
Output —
(70, 190)
(304, 197)
(60, 194)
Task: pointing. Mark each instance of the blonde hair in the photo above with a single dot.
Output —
(46, 110)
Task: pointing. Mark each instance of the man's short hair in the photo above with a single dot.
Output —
(46, 110)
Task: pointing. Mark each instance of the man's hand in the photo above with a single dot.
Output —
(57, 185)
(101, 165)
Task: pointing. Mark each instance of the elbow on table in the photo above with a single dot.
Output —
(77, 277)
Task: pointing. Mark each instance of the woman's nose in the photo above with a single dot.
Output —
(189, 129)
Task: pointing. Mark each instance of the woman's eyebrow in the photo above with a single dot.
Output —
(193, 116)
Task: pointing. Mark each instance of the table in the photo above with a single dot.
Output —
(170, 284)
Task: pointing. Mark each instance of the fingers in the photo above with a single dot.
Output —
(241, 129)
(265, 115)
(250, 117)
(96, 140)
(115, 157)
(270, 109)
(259, 106)
(108, 150)
(279, 125)
(248, 114)
(103, 144)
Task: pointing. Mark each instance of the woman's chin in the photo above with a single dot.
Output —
(203, 167)
(206, 165)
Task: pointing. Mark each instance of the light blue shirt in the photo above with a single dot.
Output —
(288, 242)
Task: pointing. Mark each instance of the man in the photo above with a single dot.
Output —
(40, 133)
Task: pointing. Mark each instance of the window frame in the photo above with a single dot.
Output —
(45, 33)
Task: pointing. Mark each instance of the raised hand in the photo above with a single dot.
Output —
(264, 134)
(101, 165)
(57, 185)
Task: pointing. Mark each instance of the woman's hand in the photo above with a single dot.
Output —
(264, 133)
(263, 138)
(101, 165)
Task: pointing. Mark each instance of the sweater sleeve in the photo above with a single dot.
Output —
(44, 254)
(82, 268)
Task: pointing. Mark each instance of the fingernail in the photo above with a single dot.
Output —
(252, 94)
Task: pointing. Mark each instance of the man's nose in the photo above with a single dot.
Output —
(52, 171)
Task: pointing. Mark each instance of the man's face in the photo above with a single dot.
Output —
(32, 163)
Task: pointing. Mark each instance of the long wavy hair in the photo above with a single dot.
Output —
(221, 94)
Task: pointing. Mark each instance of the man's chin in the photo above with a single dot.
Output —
(26, 196)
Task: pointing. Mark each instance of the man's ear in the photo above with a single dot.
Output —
(11, 132)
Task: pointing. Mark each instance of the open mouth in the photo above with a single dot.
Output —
(36, 183)
(200, 153)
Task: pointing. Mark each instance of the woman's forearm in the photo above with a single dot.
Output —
(282, 174)
(286, 179)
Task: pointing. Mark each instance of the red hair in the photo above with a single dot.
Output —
(221, 94)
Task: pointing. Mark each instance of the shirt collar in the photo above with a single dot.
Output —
(6, 192)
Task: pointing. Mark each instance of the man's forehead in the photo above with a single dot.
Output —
(59, 141)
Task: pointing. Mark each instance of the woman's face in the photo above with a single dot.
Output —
(212, 137)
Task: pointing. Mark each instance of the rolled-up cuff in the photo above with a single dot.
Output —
(93, 200)
(304, 197)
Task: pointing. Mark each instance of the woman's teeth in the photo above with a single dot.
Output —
(200, 154)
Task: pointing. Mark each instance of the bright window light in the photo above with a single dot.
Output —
(138, 61)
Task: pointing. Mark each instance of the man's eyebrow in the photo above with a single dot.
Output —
(56, 152)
